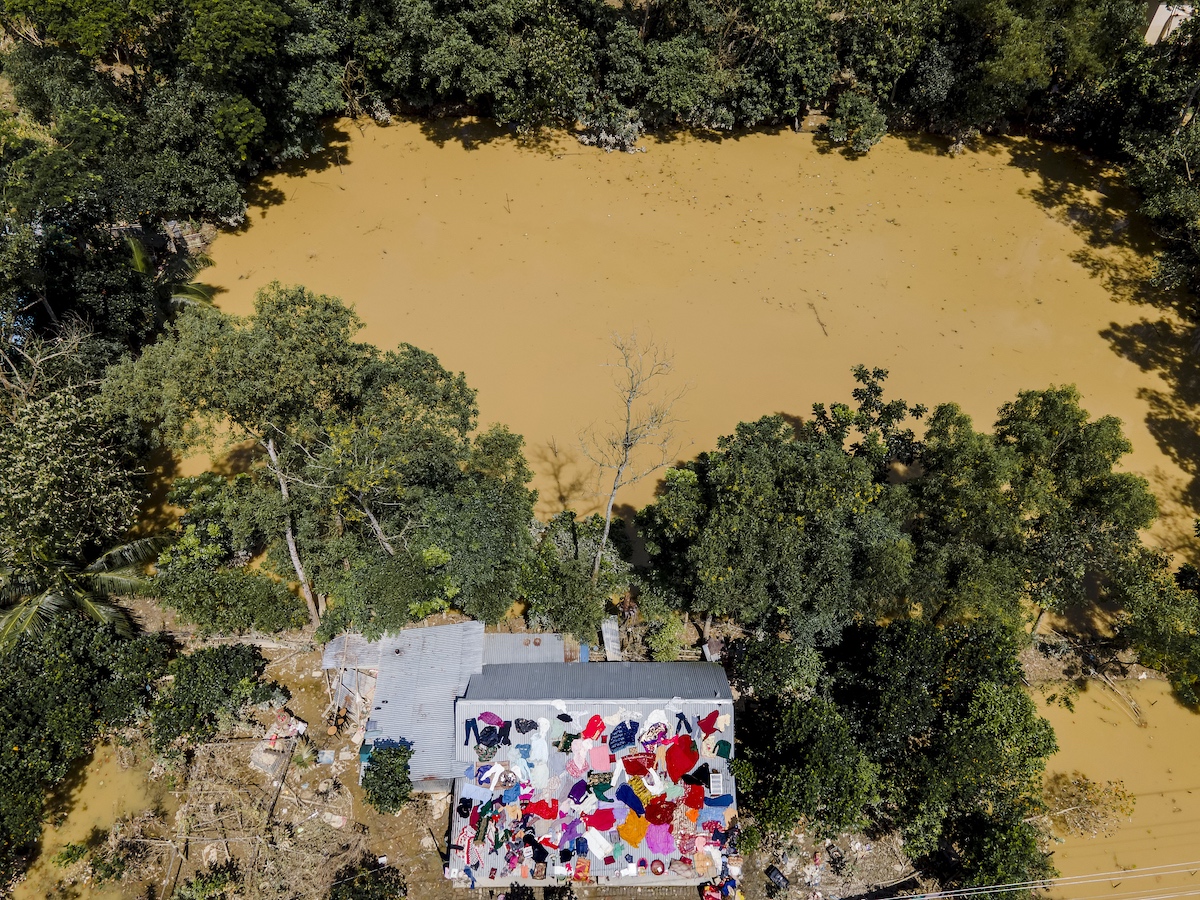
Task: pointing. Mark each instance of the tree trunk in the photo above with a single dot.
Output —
(377, 528)
(289, 535)
(612, 499)
(1037, 623)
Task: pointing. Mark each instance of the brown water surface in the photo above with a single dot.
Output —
(1158, 762)
(92, 798)
(769, 266)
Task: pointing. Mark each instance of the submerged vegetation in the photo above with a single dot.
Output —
(884, 562)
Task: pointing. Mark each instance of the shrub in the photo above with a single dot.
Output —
(211, 688)
(857, 121)
(368, 881)
(386, 782)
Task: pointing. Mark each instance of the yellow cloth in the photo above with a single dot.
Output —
(633, 829)
(639, 788)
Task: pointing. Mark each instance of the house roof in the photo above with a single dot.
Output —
(625, 681)
(523, 648)
(421, 673)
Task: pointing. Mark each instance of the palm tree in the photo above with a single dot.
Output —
(34, 594)
(174, 283)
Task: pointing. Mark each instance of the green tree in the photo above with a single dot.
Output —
(36, 589)
(59, 689)
(959, 744)
(806, 766)
(1080, 519)
(857, 122)
(68, 481)
(210, 689)
(385, 781)
(775, 528)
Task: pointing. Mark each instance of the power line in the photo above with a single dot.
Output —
(1179, 868)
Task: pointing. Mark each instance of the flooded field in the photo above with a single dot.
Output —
(1158, 762)
(769, 266)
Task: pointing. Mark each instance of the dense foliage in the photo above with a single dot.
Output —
(367, 487)
(811, 534)
(138, 113)
(58, 690)
(385, 781)
(209, 689)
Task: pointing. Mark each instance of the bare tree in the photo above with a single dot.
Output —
(642, 439)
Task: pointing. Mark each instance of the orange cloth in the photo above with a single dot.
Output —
(633, 829)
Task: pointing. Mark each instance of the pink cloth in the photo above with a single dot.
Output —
(659, 840)
(599, 759)
(490, 718)
(603, 819)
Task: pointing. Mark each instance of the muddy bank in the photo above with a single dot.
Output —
(768, 265)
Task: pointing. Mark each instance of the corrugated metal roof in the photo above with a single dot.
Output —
(523, 648)
(629, 681)
(421, 672)
(350, 651)
(582, 710)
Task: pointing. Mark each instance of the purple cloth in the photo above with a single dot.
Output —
(659, 840)
(571, 830)
(491, 718)
(578, 791)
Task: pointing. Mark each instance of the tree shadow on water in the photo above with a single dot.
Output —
(1167, 347)
(1091, 197)
(263, 191)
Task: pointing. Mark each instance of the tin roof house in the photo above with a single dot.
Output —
(613, 772)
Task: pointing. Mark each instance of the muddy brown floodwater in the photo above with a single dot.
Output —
(770, 267)
(92, 798)
(1156, 758)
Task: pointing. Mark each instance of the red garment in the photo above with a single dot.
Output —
(546, 809)
(602, 819)
(661, 811)
(682, 757)
(709, 723)
(694, 798)
(638, 763)
(595, 728)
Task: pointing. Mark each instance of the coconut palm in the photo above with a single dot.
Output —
(174, 282)
(33, 594)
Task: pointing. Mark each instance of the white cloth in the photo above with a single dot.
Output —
(598, 845)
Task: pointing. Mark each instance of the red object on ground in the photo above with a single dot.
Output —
(709, 723)
(694, 798)
(661, 811)
(546, 809)
(595, 728)
(601, 819)
(682, 757)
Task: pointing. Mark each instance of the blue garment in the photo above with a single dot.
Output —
(721, 800)
(623, 734)
(511, 795)
(524, 751)
(626, 795)
(470, 725)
